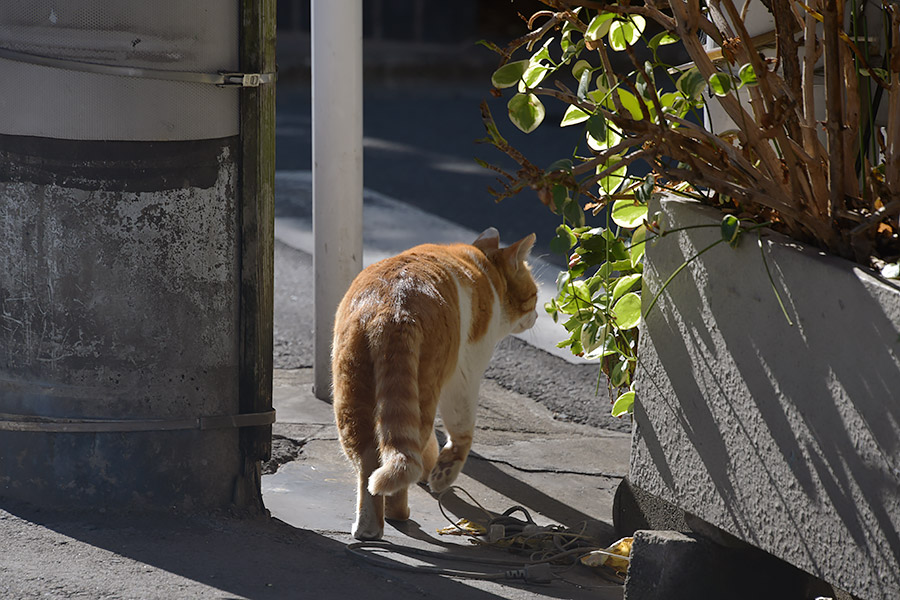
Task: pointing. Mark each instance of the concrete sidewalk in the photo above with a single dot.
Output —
(560, 472)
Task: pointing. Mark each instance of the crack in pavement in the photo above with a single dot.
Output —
(544, 470)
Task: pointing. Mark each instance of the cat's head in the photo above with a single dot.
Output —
(519, 303)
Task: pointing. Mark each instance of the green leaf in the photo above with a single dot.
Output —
(543, 53)
(883, 73)
(600, 145)
(579, 67)
(564, 277)
(563, 241)
(573, 116)
(691, 83)
(720, 84)
(581, 293)
(642, 83)
(596, 126)
(627, 214)
(628, 311)
(592, 337)
(638, 245)
(624, 404)
(559, 195)
(611, 183)
(563, 164)
(552, 309)
(509, 74)
(620, 265)
(625, 283)
(573, 212)
(620, 375)
(644, 191)
(674, 102)
(606, 346)
(584, 82)
(533, 75)
(599, 26)
(526, 112)
(668, 99)
(631, 103)
(606, 137)
(747, 75)
(731, 230)
(624, 33)
(662, 39)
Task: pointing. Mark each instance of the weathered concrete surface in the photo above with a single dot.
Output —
(787, 437)
(119, 289)
(562, 473)
(300, 552)
(678, 566)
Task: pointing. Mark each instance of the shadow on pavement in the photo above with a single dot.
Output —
(483, 470)
(256, 558)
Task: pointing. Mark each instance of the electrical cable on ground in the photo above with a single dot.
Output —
(548, 545)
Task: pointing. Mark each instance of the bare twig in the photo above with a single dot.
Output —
(834, 96)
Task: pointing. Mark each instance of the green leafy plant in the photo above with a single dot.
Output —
(639, 124)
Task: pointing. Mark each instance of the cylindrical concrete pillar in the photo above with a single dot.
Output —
(337, 166)
(120, 256)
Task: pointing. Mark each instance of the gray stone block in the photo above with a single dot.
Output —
(676, 566)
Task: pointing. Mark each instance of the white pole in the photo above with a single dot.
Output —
(336, 27)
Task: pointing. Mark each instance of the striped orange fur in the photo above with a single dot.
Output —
(413, 335)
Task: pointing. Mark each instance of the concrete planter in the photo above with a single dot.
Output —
(786, 437)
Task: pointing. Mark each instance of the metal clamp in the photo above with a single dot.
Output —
(246, 79)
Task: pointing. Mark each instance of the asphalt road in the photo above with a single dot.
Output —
(419, 149)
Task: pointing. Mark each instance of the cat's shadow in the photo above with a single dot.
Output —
(482, 470)
(413, 529)
(453, 506)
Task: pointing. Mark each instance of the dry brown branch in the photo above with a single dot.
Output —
(851, 111)
(892, 136)
(602, 158)
(811, 53)
(787, 45)
(607, 68)
(834, 78)
(648, 9)
(775, 164)
(754, 138)
(627, 160)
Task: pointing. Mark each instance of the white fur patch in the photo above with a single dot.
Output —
(459, 398)
(367, 525)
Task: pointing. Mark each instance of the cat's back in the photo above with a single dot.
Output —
(413, 283)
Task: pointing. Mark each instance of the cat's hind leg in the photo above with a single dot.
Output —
(396, 506)
(370, 509)
(429, 455)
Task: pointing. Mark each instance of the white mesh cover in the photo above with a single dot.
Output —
(179, 35)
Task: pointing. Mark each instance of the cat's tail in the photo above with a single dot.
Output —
(398, 421)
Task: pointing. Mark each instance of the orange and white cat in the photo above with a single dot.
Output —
(415, 333)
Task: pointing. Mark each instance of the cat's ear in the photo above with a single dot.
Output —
(488, 240)
(518, 252)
